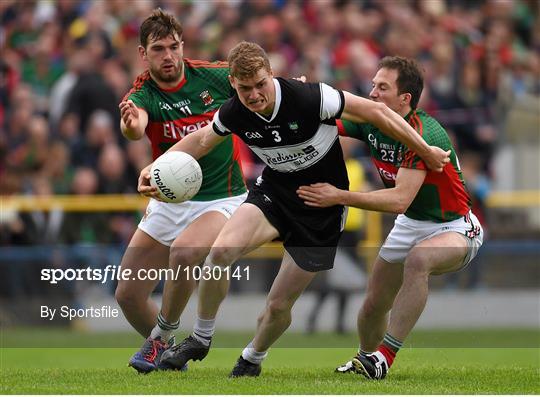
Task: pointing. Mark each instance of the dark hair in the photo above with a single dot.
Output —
(409, 80)
(158, 25)
(246, 59)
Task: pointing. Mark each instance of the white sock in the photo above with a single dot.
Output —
(203, 330)
(253, 356)
(163, 329)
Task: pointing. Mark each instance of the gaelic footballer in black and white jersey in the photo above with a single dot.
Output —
(299, 144)
(299, 139)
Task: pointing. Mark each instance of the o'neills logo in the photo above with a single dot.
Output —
(164, 189)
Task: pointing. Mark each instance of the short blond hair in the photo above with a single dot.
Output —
(246, 59)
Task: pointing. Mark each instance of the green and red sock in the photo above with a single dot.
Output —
(389, 348)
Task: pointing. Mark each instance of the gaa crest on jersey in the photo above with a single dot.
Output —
(293, 126)
(164, 106)
(206, 98)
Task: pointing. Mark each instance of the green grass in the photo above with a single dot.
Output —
(434, 370)
(458, 338)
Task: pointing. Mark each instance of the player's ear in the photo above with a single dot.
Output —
(406, 99)
(142, 53)
(231, 80)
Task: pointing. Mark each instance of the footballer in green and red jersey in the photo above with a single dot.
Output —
(177, 112)
(435, 231)
(443, 197)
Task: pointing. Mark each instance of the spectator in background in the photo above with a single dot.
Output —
(84, 227)
(88, 228)
(472, 120)
(111, 168)
(32, 133)
(44, 65)
(112, 180)
(68, 131)
(116, 77)
(99, 133)
(57, 168)
(46, 224)
(8, 80)
(16, 132)
(61, 89)
(23, 32)
(440, 66)
(92, 29)
(521, 81)
(91, 92)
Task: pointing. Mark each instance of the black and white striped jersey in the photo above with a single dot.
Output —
(299, 141)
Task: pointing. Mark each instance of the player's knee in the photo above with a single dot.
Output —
(417, 262)
(278, 308)
(374, 307)
(368, 309)
(186, 256)
(128, 296)
(222, 255)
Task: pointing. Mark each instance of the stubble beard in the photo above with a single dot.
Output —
(169, 77)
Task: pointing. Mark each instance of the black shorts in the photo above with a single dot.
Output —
(310, 235)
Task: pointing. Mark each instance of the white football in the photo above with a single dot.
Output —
(177, 176)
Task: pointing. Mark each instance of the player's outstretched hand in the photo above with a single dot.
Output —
(129, 114)
(320, 195)
(144, 186)
(437, 158)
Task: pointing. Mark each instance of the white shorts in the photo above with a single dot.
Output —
(165, 221)
(408, 232)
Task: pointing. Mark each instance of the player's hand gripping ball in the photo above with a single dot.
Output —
(177, 177)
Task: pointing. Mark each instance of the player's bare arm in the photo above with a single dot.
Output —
(361, 110)
(199, 143)
(395, 200)
(133, 120)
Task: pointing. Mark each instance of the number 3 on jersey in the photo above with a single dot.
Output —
(277, 138)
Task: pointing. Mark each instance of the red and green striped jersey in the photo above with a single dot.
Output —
(443, 196)
(176, 112)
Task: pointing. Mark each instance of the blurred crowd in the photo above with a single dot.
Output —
(66, 64)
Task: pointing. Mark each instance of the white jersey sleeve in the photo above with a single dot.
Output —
(332, 102)
(219, 127)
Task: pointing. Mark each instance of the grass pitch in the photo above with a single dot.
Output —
(288, 370)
